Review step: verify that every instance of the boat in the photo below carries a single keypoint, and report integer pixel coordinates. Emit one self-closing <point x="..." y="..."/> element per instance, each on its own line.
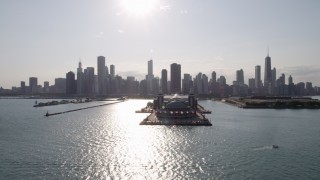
<point x="121" y="99"/>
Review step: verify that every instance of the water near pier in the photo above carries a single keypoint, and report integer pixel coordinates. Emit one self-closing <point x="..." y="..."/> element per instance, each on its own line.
<point x="108" y="142"/>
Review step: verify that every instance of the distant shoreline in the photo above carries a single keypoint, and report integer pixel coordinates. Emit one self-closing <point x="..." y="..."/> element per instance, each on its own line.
<point x="274" y="103"/>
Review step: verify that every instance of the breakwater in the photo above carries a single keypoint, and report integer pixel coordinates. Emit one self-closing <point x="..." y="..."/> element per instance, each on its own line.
<point x="79" y="109"/>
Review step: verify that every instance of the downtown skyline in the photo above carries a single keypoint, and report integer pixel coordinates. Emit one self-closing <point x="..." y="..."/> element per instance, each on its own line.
<point x="99" y="81"/>
<point x="201" y="36"/>
<point x="102" y="70"/>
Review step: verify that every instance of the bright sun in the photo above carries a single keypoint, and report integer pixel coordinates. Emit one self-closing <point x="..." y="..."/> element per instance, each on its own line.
<point x="139" y="7"/>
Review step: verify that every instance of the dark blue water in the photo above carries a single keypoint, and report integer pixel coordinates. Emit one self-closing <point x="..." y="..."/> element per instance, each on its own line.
<point x="108" y="143"/>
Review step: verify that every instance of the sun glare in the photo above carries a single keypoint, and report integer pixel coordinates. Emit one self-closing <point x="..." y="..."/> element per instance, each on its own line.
<point x="139" y="7"/>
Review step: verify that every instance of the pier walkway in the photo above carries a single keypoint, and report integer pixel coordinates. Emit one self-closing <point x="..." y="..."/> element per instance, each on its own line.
<point x="52" y="114"/>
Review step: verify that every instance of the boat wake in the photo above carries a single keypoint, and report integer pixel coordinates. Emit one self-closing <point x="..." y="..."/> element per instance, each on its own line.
<point x="263" y="148"/>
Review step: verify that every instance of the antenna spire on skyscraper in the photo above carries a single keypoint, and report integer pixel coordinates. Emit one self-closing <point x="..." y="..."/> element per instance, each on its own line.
<point x="151" y="53"/>
<point x="80" y="64"/>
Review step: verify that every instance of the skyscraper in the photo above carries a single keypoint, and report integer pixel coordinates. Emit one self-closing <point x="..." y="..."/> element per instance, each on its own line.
<point x="205" y="84"/>
<point x="164" y="81"/>
<point x="290" y="80"/>
<point x="79" y="79"/>
<point x="240" y="77"/>
<point x="46" y="87"/>
<point x="132" y="85"/>
<point x="198" y="88"/>
<point x="290" y="86"/>
<point x="155" y="85"/>
<point x="283" y="79"/>
<point x="150" y="67"/>
<point x="23" y="87"/>
<point x="89" y="81"/>
<point x="71" y="87"/>
<point x="102" y="75"/>
<point x="60" y="85"/>
<point x="273" y="76"/>
<point x="252" y="83"/>
<point x="107" y="70"/>
<point x="33" y="85"/>
<point x="309" y="88"/>
<point x="222" y="81"/>
<point x="213" y="77"/>
<point x="187" y="84"/>
<point x="175" y="78"/>
<point x="258" y="77"/>
<point x="150" y="77"/>
<point x="267" y="71"/>
<point x="112" y="70"/>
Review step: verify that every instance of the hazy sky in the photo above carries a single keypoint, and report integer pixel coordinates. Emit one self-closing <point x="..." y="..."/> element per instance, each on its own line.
<point x="45" y="38"/>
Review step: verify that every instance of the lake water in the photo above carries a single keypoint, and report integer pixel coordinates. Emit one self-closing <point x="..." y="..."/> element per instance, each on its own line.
<point x="108" y="143"/>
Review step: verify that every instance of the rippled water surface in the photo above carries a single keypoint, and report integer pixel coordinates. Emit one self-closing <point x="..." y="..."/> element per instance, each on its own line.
<point x="108" y="143"/>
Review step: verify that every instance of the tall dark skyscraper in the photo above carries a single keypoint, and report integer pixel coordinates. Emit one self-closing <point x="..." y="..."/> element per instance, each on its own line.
<point x="164" y="81"/>
<point x="205" y="84"/>
<point x="283" y="79"/>
<point x="80" y="79"/>
<point x="175" y="78"/>
<point x="112" y="70"/>
<point x="187" y="84"/>
<point x="150" y="77"/>
<point x="89" y="81"/>
<point x="258" y="77"/>
<point x="198" y="88"/>
<point x="290" y="80"/>
<point x="107" y="70"/>
<point x="71" y="87"/>
<point x="102" y="75"/>
<point x="240" y="76"/>
<point x="150" y="67"/>
<point x="213" y="77"/>
<point x="267" y="71"/>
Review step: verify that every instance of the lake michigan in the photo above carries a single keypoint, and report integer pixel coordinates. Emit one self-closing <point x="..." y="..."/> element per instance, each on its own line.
<point x="107" y="142"/>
